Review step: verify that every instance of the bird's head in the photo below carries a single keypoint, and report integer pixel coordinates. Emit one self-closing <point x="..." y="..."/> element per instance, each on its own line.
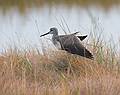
<point x="53" y="31"/>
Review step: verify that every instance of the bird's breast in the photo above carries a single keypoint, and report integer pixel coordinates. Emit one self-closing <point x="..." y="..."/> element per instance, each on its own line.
<point x="57" y="45"/>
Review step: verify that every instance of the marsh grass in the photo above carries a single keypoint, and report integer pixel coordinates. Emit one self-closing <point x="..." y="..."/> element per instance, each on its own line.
<point x="59" y="73"/>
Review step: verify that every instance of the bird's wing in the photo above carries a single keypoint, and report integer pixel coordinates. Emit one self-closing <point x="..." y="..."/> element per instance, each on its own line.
<point x="72" y="44"/>
<point x="73" y="34"/>
<point x="82" y="37"/>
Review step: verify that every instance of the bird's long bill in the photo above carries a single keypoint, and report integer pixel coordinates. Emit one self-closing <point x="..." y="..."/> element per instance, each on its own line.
<point x="44" y="34"/>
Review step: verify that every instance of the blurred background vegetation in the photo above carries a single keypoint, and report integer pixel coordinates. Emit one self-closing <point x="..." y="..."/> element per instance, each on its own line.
<point x="22" y="5"/>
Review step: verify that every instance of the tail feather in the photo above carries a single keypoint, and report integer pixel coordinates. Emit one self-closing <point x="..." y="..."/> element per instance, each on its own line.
<point x="88" y="54"/>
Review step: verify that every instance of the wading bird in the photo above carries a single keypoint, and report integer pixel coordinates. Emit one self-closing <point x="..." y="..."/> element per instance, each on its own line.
<point x="70" y="43"/>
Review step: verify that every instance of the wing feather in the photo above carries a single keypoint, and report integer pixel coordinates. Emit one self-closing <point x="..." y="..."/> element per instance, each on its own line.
<point x="82" y="37"/>
<point x="72" y="45"/>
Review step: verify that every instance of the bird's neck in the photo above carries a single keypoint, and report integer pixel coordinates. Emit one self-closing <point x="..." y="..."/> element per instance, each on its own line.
<point x="55" y="35"/>
<point x="56" y="42"/>
<point x="54" y="39"/>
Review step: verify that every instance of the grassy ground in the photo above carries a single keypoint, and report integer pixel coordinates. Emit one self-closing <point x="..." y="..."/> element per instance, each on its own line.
<point x="59" y="73"/>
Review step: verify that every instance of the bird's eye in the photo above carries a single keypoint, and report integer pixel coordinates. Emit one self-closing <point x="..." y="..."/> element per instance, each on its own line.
<point x="51" y="29"/>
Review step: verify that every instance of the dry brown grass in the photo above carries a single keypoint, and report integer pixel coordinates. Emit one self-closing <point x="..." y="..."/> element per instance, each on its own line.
<point x="56" y="73"/>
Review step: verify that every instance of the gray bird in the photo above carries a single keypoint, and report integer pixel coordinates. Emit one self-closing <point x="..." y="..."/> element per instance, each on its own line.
<point x="70" y="43"/>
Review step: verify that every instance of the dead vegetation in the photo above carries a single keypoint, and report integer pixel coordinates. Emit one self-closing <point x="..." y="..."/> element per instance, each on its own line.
<point x="57" y="73"/>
